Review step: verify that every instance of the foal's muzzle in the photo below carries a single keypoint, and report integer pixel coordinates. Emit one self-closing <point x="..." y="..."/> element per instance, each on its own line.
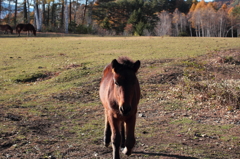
<point x="125" y="110"/>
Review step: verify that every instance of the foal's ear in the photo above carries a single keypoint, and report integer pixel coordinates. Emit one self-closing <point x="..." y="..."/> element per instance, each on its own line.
<point x="136" y="65"/>
<point x="115" y="65"/>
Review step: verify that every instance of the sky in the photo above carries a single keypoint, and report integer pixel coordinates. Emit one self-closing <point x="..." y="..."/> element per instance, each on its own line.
<point x="198" y="0"/>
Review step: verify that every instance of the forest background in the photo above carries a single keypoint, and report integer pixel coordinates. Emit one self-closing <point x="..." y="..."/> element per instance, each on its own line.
<point x="126" y="17"/>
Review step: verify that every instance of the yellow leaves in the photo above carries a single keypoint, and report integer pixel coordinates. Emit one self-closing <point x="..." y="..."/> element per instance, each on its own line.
<point x="201" y="4"/>
<point x="96" y="3"/>
<point x="224" y="6"/>
<point x="192" y="7"/>
<point x="210" y="5"/>
<point x="230" y="10"/>
<point x="215" y="5"/>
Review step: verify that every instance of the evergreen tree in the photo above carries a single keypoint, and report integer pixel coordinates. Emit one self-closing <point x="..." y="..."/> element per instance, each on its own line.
<point x="136" y="20"/>
<point x="236" y="12"/>
<point x="120" y="13"/>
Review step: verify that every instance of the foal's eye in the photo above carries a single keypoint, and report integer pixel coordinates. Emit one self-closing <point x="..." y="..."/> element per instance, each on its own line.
<point x="116" y="83"/>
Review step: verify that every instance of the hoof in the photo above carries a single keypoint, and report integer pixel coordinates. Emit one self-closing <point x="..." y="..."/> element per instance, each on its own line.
<point x="106" y="144"/>
<point x="126" y="151"/>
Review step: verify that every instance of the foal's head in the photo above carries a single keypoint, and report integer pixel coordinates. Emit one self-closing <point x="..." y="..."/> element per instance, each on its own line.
<point x="125" y="83"/>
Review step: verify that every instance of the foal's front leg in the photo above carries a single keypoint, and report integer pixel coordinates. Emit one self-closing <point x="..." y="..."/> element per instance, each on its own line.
<point x="130" y="137"/>
<point x="123" y="135"/>
<point x="116" y="136"/>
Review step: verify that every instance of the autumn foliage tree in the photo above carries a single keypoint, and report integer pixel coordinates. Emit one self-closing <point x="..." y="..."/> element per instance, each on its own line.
<point x="129" y="17"/>
<point x="207" y="20"/>
<point x="179" y="21"/>
<point x="164" y="25"/>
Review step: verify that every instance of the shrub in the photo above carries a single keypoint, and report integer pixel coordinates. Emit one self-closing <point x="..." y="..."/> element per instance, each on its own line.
<point x="183" y="34"/>
<point x="72" y="27"/>
<point x="83" y="29"/>
<point x="128" y="29"/>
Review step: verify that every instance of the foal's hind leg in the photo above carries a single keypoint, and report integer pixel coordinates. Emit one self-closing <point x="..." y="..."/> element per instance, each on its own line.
<point x="107" y="132"/>
<point x="130" y="137"/>
<point x="123" y="135"/>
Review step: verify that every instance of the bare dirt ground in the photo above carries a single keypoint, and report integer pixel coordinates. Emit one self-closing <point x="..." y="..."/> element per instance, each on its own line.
<point x="176" y="119"/>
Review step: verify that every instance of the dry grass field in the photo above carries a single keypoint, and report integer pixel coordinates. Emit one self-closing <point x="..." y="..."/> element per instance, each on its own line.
<point x="50" y="107"/>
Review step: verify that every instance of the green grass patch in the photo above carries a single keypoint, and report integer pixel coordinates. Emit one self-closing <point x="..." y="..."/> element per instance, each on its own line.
<point x="92" y="129"/>
<point x="183" y="121"/>
<point x="32" y="77"/>
<point x="71" y="75"/>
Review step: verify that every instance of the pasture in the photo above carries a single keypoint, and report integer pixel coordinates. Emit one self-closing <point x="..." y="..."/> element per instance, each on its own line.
<point x="50" y="107"/>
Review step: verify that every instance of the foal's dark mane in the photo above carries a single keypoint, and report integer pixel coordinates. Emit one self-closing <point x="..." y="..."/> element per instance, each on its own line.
<point x="126" y="62"/>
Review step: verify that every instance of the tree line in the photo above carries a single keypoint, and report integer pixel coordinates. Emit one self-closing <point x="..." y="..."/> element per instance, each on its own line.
<point x="126" y="17"/>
